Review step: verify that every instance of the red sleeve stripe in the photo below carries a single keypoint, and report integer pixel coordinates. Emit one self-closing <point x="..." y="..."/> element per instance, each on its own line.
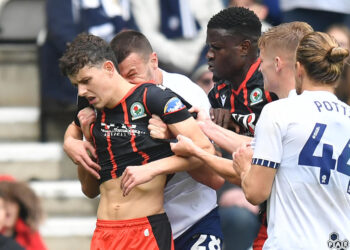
<point x="268" y="97"/>
<point x="109" y="148"/>
<point x="145" y="100"/>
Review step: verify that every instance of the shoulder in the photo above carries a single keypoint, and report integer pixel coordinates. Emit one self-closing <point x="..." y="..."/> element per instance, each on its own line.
<point x="184" y="87"/>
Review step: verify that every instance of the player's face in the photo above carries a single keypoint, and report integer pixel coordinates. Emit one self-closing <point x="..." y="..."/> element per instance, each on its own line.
<point x="224" y="54"/>
<point x="268" y="70"/>
<point x="95" y="84"/>
<point x="136" y="69"/>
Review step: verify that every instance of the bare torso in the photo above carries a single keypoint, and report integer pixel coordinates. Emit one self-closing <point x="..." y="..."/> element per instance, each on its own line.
<point x="144" y="200"/>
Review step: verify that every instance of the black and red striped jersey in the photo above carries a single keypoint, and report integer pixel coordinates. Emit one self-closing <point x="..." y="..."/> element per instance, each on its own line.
<point x="121" y="136"/>
<point x="245" y="101"/>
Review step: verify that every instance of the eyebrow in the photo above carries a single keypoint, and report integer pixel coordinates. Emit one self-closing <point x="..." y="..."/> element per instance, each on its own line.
<point x="84" y="79"/>
<point x="131" y="71"/>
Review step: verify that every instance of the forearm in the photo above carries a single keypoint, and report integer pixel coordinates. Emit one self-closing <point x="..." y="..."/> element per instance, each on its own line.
<point x="207" y="176"/>
<point x="257" y="183"/>
<point x="73" y="131"/>
<point x="225" y="138"/>
<point x="173" y="164"/>
<point x="220" y="165"/>
<point x="89" y="184"/>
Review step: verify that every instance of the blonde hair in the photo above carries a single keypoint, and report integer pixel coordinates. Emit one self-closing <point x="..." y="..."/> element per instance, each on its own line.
<point x="285" y="36"/>
<point x="321" y="57"/>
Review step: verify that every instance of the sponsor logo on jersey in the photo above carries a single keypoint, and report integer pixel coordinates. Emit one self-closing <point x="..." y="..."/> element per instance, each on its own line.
<point x="137" y="111"/>
<point x="120" y="130"/>
<point x="256" y="96"/>
<point x="335" y="243"/>
<point x="173" y="105"/>
<point x="246" y="120"/>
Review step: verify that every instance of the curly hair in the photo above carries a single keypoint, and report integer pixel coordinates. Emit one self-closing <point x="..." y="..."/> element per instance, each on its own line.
<point x="237" y="21"/>
<point x="85" y="50"/>
<point x="29" y="203"/>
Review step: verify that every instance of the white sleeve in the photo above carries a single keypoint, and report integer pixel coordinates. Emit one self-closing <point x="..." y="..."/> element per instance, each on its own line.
<point x="268" y="138"/>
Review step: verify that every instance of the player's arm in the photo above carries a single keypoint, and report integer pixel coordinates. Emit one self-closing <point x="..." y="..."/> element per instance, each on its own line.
<point x="223" y="167"/>
<point x="258" y="171"/>
<point x="257" y="183"/>
<point x="134" y="176"/>
<point x="77" y="150"/>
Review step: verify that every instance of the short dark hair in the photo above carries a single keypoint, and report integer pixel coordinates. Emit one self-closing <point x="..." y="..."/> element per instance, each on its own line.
<point x="129" y="41"/>
<point x="86" y="49"/>
<point x="237" y="21"/>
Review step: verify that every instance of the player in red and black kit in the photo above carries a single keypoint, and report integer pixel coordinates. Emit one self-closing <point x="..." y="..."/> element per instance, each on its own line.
<point x="121" y="139"/>
<point x="239" y="96"/>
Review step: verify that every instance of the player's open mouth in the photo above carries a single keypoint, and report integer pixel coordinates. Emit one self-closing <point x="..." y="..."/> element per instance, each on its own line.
<point x="91" y="100"/>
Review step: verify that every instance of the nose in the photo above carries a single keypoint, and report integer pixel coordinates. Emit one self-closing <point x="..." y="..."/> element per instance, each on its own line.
<point x="210" y="54"/>
<point x="81" y="90"/>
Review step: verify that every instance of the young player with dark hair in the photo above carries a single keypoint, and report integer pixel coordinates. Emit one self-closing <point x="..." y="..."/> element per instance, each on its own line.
<point x="238" y="95"/>
<point x="192" y="218"/>
<point x="121" y="138"/>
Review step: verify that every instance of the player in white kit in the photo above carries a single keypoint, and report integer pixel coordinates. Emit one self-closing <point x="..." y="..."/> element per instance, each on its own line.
<point x="301" y="160"/>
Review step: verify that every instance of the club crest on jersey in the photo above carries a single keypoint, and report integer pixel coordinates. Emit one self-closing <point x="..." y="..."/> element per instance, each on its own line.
<point x="137" y="111"/>
<point x="335" y="243"/>
<point x="256" y="96"/>
<point x="173" y="105"/>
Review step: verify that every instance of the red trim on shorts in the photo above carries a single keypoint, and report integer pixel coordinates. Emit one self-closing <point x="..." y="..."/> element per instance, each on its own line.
<point x="217" y="95"/>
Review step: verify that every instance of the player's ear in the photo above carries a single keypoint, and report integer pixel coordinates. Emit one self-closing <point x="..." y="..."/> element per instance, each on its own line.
<point x="245" y="46"/>
<point x="299" y="69"/>
<point x="108" y="66"/>
<point x="278" y="64"/>
<point x="154" y="60"/>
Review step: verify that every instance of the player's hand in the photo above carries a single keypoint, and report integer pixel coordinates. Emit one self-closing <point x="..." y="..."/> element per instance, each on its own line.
<point x="158" y="129"/>
<point x="79" y="151"/>
<point x="202" y="115"/>
<point x="86" y="117"/>
<point x="242" y="159"/>
<point x="183" y="147"/>
<point x="223" y="118"/>
<point x="133" y="176"/>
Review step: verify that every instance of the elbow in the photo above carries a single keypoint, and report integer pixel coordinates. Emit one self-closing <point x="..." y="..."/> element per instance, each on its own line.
<point x="218" y="183"/>
<point x="255" y="197"/>
<point x="91" y="194"/>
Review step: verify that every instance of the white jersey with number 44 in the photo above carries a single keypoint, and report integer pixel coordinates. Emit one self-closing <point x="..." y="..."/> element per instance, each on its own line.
<point x="307" y="139"/>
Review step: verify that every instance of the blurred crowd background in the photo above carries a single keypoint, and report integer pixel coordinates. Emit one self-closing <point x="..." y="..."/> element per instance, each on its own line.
<point x="37" y="102"/>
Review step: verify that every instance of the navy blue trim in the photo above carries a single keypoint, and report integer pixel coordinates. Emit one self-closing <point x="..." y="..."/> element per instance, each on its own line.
<point x="265" y="163"/>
